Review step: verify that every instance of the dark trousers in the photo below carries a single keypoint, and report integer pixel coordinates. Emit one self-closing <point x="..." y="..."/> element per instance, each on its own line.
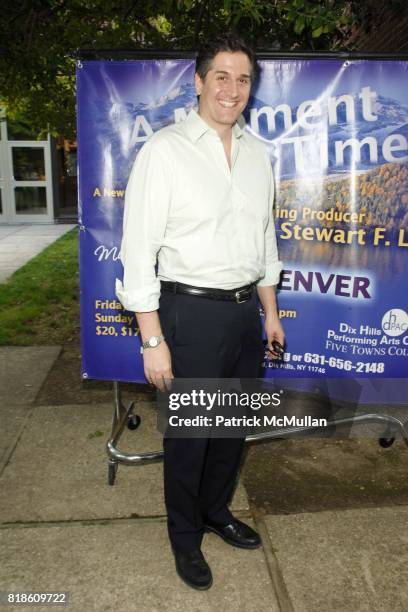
<point x="207" y="339"/>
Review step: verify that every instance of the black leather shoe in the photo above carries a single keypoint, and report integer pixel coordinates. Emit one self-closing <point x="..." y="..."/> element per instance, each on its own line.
<point x="193" y="569"/>
<point x="236" y="534"/>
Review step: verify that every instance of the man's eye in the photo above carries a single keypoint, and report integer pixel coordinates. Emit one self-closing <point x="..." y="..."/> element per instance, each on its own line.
<point x="221" y="77"/>
<point x="244" y="81"/>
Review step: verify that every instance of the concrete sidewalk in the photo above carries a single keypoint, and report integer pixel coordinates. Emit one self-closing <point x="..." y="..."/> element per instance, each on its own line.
<point x="62" y="528"/>
<point x="20" y="243"/>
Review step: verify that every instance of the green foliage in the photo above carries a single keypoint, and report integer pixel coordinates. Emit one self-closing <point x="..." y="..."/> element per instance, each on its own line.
<point x="39" y="304"/>
<point x="38" y="38"/>
<point x="317" y="18"/>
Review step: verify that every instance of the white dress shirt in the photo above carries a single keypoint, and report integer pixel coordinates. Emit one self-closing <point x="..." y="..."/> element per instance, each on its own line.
<point x="207" y="225"/>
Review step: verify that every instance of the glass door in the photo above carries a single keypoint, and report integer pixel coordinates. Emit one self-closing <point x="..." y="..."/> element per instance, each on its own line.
<point x="26" y="194"/>
<point x="31" y="181"/>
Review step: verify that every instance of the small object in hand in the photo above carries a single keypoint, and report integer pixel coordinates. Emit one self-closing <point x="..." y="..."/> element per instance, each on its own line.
<point x="278" y="348"/>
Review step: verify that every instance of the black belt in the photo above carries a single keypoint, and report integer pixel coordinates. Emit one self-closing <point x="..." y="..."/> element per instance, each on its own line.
<point x="240" y="295"/>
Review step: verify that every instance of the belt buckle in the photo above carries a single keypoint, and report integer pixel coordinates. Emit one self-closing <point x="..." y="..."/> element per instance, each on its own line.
<point x="238" y="296"/>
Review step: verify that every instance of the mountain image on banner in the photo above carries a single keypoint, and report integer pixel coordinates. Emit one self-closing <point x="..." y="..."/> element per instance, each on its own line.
<point x="126" y="126"/>
<point x="392" y="119"/>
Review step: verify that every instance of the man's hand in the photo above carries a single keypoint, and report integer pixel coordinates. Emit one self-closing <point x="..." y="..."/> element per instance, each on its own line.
<point x="156" y="360"/>
<point x="157" y="366"/>
<point x="274" y="331"/>
<point x="273" y="327"/>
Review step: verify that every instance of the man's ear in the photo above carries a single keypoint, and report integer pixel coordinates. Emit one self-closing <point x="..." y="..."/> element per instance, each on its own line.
<point x="198" y="84"/>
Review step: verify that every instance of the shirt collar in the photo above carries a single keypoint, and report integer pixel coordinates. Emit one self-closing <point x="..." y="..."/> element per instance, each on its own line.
<point x="196" y="126"/>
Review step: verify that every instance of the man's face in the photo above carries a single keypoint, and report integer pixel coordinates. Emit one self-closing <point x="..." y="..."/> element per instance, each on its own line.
<point x="224" y="92"/>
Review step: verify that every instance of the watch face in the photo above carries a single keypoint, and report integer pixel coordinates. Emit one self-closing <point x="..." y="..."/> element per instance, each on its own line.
<point x="154" y="341"/>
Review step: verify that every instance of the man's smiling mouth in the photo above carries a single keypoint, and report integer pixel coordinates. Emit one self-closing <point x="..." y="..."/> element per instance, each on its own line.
<point x="227" y="104"/>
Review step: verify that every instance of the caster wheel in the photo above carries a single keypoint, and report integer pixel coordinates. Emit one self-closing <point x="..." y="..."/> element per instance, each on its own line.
<point x="133" y="421"/>
<point x="386" y="442"/>
<point x="112" y="469"/>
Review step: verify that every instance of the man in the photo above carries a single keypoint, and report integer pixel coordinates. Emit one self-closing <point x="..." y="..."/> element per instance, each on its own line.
<point x="200" y="199"/>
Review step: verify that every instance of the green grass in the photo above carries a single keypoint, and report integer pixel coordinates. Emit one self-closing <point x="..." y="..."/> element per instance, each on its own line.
<point x="39" y="304"/>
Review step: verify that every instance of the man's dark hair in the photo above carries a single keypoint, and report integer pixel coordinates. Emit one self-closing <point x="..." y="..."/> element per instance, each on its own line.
<point x="230" y="42"/>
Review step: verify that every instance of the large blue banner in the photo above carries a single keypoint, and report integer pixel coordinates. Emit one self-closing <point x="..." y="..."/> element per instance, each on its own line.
<point x="337" y="137"/>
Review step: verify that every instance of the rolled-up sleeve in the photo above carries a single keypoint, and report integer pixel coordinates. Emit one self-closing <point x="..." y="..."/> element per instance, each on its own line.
<point x="144" y="223"/>
<point x="273" y="266"/>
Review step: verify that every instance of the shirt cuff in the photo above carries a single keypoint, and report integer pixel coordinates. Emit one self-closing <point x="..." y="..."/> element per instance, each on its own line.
<point x="137" y="300"/>
<point x="272" y="276"/>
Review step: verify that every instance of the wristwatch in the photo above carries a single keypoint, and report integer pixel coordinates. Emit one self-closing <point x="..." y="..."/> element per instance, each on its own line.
<point x="152" y="342"/>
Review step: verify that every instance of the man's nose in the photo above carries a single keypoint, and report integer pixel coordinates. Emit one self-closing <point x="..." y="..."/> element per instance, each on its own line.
<point x="233" y="88"/>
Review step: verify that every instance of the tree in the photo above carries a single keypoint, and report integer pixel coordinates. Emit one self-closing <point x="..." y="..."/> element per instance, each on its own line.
<point x="39" y="37"/>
